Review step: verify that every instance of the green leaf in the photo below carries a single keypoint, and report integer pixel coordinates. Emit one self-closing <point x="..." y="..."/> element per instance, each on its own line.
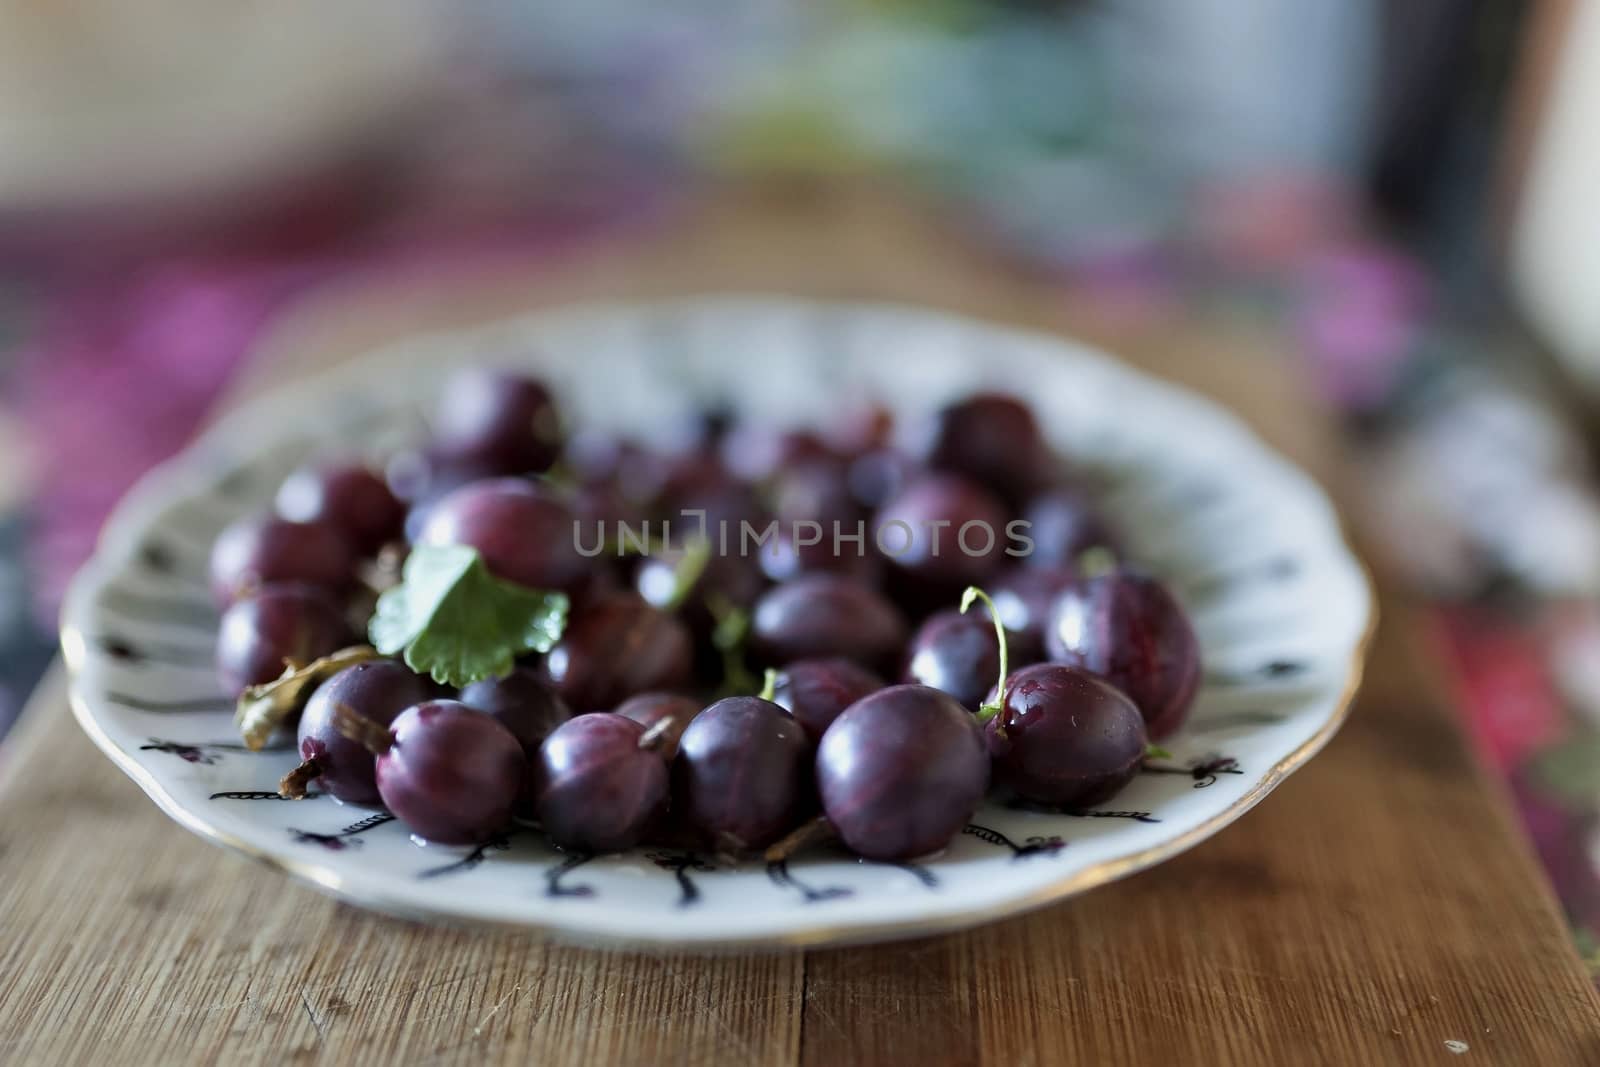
<point x="460" y="624"/>
<point x="1569" y="771"/>
<point x="1156" y="752"/>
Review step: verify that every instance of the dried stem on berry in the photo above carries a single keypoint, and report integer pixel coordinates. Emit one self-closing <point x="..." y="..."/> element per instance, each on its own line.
<point x="652" y="738"/>
<point x="293" y="784"/>
<point x="362" y="730"/>
<point x="811" y="833"/>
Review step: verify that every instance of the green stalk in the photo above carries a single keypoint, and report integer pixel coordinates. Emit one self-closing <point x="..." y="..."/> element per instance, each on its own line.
<point x="973" y="594"/>
<point x="688" y="571"/>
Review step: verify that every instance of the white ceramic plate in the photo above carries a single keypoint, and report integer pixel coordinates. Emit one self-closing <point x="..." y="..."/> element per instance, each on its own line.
<point x="1252" y="547"/>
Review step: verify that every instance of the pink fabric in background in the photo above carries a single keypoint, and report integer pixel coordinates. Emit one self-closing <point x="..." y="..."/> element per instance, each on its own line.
<point x="118" y="373"/>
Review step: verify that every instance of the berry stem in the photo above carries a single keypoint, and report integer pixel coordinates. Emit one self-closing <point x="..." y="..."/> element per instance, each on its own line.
<point x="1096" y="561"/>
<point x="810" y="833"/>
<point x="686" y="575"/>
<point x="382" y="573"/>
<point x="991" y="708"/>
<point x="362" y="730"/>
<point x="263" y="708"/>
<point x="293" y="784"/>
<point x="651" y="739"/>
<point x="769" y="685"/>
<point x="732" y="626"/>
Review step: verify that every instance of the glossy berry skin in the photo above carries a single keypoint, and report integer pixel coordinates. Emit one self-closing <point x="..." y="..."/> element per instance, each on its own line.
<point x="1024" y="597"/>
<point x="1128" y="629"/>
<point x="451" y="774"/>
<point x="697" y="434"/>
<point x="506" y="421"/>
<point x="418" y="475"/>
<point x="647" y="709"/>
<point x="378" y="690"/>
<point x="876" y="476"/>
<point x="635" y="473"/>
<point x="599" y="790"/>
<point x="901" y="772"/>
<point x="726" y="583"/>
<point x="524" y="703"/>
<point x="817" y="490"/>
<point x="616" y="482"/>
<point x="860" y="430"/>
<point x="957" y="654"/>
<point x="784" y="558"/>
<point x="524" y="533"/>
<point x="934" y="554"/>
<point x="824" y="615"/>
<point x="349" y="497"/>
<point x="617" y="646"/>
<point x="1065" y="737"/>
<point x="756" y="452"/>
<point x="993" y="440"/>
<point x="743" y="774"/>
<point x="733" y="580"/>
<point x="527" y="705"/>
<point x="692" y="469"/>
<point x="598" y="509"/>
<point x="1063" y="525"/>
<point x="279" y="623"/>
<point x="420" y="478"/>
<point x="816" y="691"/>
<point x="258" y="552"/>
<point x="714" y="500"/>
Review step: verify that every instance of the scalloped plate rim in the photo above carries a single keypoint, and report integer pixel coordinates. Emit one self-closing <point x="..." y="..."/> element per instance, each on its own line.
<point x="139" y="509"/>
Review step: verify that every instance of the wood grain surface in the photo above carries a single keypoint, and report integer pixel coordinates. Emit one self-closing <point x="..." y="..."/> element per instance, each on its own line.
<point x="1378" y="908"/>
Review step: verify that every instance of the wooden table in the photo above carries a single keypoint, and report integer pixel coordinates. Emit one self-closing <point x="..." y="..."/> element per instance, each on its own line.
<point x="1379" y="908"/>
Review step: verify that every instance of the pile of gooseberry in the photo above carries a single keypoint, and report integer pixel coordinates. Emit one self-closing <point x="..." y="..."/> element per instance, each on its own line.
<point x="729" y="700"/>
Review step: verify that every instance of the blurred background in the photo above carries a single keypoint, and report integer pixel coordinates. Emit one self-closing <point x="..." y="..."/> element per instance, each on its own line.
<point x="1403" y="192"/>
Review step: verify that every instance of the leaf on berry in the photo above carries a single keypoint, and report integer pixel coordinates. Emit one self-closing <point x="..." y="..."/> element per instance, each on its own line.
<point x="451" y="619"/>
